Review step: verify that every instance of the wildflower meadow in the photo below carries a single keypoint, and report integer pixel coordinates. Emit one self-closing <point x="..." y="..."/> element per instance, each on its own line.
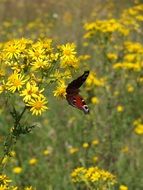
<point x="53" y="135"/>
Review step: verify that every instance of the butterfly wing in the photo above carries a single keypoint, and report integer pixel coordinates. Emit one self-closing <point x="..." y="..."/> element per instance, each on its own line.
<point x="73" y="97"/>
<point x="77" y="83"/>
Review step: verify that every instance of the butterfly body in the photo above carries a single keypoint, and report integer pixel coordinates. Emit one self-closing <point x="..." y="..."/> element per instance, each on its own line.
<point x="73" y="97"/>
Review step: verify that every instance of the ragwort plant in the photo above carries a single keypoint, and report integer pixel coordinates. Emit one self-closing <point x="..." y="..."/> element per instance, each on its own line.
<point x="28" y="69"/>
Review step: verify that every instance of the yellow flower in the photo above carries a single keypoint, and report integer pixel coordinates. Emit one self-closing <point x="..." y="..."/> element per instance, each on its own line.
<point x="125" y="149"/>
<point x="123" y="187"/>
<point x="33" y="161"/>
<point x="73" y="150"/>
<point x="11" y="50"/>
<point x="68" y="50"/>
<point x="95" y="158"/>
<point x="12" y="153"/>
<point x="36" y="52"/>
<point x="68" y="56"/>
<point x="95" y="100"/>
<point x="93" y="80"/>
<point x="139" y="17"/>
<point x="93" y="174"/>
<point x="40" y="64"/>
<point x="128" y="66"/>
<point x="112" y="56"/>
<point x="84" y="57"/>
<point x="95" y="142"/>
<point x="137" y="122"/>
<point x="139" y="129"/>
<point x="130" y="88"/>
<point x="37" y="105"/>
<point x="46" y="152"/>
<point x="3" y="187"/>
<point x="85" y="145"/>
<point x="15" y="82"/>
<point x="58" y="76"/>
<point x="14" y="188"/>
<point x="140" y="79"/>
<point x="130" y="57"/>
<point x="120" y="108"/>
<point x="17" y="170"/>
<point x="69" y="62"/>
<point x="78" y="173"/>
<point x="47" y="44"/>
<point x="4" y="179"/>
<point x="60" y="90"/>
<point x="30" y="92"/>
<point x="133" y="47"/>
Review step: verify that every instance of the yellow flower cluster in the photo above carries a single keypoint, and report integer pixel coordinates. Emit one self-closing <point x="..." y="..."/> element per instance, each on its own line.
<point x="132" y="16"/>
<point x="129" y="19"/>
<point x="5" y="184"/>
<point x="38" y="27"/>
<point x="104" y="26"/>
<point x="93" y="175"/>
<point x="132" y="58"/>
<point x="4" y="179"/>
<point x="93" y="80"/>
<point x="112" y="56"/>
<point x="27" y="67"/>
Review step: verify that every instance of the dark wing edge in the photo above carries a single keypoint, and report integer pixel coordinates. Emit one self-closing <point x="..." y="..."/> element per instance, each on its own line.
<point x="77" y="83"/>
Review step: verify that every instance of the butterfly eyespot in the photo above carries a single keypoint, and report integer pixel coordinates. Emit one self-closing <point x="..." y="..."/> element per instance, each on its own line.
<point x="85" y="107"/>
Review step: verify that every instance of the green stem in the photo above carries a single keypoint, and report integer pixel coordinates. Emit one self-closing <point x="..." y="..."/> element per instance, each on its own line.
<point x="18" y="120"/>
<point x="10" y="140"/>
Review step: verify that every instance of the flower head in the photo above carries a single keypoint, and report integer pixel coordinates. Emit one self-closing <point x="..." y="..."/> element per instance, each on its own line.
<point x="4" y="179"/>
<point x="29" y="92"/>
<point x="68" y="56"/>
<point x="120" y="108"/>
<point x="139" y="129"/>
<point x="60" y="90"/>
<point x="123" y="187"/>
<point x="37" y="105"/>
<point x="17" y="170"/>
<point x="15" y="82"/>
<point x="33" y="161"/>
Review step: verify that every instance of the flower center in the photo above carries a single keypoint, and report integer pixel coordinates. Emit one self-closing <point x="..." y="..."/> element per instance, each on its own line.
<point x="38" y="105"/>
<point x="17" y="82"/>
<point x="67" y="52"/>
<point x="37" y="54"/>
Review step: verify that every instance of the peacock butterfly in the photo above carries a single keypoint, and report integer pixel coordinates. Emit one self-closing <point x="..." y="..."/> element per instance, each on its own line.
<point x="73" y="97"/>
